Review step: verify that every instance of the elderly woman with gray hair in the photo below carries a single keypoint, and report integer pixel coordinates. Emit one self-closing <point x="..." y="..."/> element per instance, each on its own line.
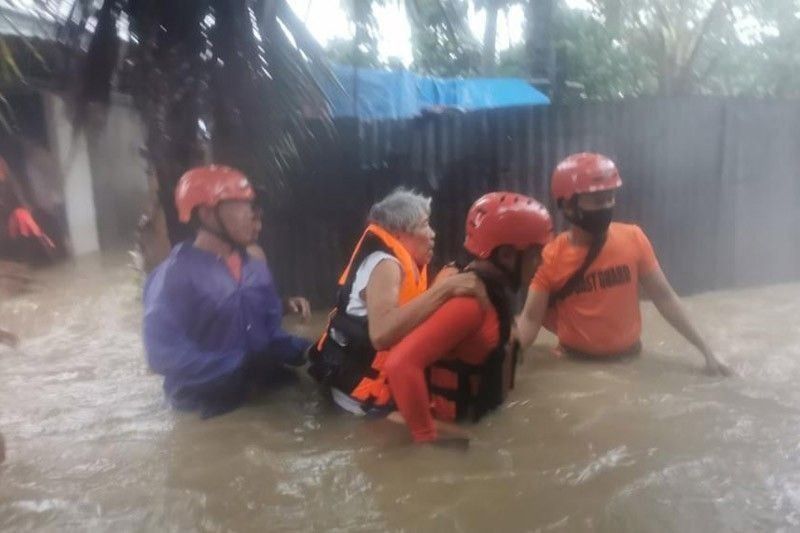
<point x="383" y="295"/>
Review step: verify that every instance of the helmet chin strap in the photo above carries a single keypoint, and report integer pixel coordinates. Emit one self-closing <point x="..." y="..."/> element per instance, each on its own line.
<point x="577" y="215"/>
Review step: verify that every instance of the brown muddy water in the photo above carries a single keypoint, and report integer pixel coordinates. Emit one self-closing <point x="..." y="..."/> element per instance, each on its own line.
<point x="647" y="445"/>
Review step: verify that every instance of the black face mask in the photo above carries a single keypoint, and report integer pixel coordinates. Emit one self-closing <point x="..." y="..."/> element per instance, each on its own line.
<point x="594" y="222"/>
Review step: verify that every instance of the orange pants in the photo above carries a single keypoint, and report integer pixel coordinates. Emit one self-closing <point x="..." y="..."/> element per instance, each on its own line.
<point x="460" y="329"/>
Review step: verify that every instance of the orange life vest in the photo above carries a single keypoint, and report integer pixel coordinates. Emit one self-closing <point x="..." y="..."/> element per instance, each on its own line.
<point x="414" y="281"/>
<point x="459" y="390"/>
<point x="344" y="356"/>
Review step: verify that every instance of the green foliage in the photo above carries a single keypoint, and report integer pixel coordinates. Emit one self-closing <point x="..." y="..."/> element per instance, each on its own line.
<point x="625" y="48"/>
<point x="362" y="50"/>
<point x="701" y="46"/>
<point x="762" y="57"/>
<point x="348" y="52"/>
<point x="442" y="43"/>
<point x="439" y="48"/>
<point x="602" y="66"/>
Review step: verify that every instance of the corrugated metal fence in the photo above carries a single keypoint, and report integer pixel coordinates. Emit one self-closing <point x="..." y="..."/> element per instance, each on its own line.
<point x="715" y="183"/>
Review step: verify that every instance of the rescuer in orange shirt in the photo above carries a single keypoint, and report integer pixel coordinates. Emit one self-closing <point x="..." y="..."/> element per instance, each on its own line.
<point x="587" y="287"/>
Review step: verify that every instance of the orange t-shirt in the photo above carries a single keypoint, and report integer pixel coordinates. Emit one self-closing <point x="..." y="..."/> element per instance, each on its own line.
<point x="602" y="316"/>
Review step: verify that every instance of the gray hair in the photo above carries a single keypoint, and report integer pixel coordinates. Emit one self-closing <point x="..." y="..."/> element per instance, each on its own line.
<point x="400" y="211"/>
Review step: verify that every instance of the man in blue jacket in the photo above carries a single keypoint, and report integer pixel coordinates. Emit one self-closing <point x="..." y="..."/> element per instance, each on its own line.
<point x="212" y="315"/>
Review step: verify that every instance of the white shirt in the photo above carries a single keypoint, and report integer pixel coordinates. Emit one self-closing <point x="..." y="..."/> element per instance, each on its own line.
<point x="357" y="304"/>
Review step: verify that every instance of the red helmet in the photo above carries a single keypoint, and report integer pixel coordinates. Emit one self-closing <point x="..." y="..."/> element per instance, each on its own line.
<point x="208" y="186"/>
<point x="582" y="173"/>
<point x="499" y="218"/>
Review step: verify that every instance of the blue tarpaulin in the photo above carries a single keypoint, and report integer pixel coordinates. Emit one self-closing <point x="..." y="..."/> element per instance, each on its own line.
<point x="382" y="94"/>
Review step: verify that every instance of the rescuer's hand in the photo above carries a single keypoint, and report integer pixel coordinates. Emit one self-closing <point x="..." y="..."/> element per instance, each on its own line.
<point x="299" y="306"/>
<point x="465" y="284"/>
<point x="715" y="367"/>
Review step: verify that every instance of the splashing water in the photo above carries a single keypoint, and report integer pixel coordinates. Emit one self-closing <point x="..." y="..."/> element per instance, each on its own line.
<point x="646" y="445"/>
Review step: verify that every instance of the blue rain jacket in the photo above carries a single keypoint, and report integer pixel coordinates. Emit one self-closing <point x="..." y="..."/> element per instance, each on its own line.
<point x="211" y="336"/>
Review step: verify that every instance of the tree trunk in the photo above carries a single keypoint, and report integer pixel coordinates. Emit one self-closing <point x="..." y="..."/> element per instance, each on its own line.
<point x="490" y="39"/>
<point x="539" y="45"/>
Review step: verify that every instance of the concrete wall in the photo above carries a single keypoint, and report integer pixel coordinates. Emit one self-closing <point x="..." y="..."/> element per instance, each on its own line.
<point x="119" y="175"/>
<point x="105" y="179"/>
<point x="72" y="155"/>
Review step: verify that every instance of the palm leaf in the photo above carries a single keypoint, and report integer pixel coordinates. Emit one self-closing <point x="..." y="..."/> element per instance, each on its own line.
<point x="7" y="120"/>
<point x="8" y="61"/>
<point x="26" y="42"/>
<point x="228" y="81"/>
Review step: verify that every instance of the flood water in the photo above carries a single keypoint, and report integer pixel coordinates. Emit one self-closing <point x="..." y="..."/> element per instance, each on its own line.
<point x="646" y="445"/>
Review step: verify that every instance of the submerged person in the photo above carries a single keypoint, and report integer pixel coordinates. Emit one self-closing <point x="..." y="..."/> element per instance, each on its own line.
<point x="383" y="294"/>
<point x="212" y="314"/>
<point x="463" y="346"/>
<point x="21" y="236"/>
<point x="16" y="224"/>
<point x="590" y="274"/>
<point x="45" y="191"/>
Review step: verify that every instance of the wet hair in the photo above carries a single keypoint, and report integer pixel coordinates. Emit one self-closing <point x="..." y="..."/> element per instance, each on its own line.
<point x="400" y="211"/>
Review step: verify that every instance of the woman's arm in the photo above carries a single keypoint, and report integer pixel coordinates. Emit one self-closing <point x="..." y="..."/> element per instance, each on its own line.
<point x="389" y="322"/>
<point x="529" y="322"/>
